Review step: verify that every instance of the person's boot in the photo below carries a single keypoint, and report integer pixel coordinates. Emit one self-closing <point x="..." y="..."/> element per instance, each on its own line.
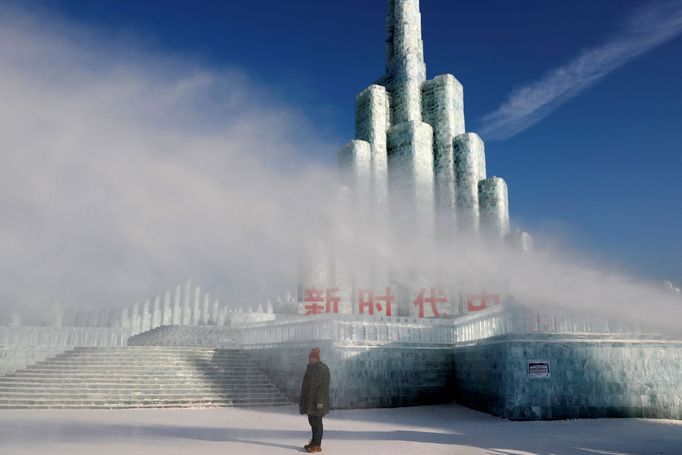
<point x="314" y="449"/>
<point x="309" y="445"/>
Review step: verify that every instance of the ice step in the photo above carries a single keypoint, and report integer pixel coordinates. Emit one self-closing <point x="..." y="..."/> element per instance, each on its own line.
<point x="142" y="376"/>
<point x="104" y="405"/>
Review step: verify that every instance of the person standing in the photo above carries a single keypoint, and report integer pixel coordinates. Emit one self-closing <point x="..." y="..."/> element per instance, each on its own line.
<point x="315" y="398"/>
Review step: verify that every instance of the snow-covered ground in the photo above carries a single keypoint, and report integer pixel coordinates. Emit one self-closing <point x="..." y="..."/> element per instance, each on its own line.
<point x="448" y="429"/>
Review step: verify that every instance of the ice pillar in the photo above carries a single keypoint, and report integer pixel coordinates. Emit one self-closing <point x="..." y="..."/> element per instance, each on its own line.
<point x="443" y="109"/>
<point x="405" y="67"/>
<point x="372" y="121"/>
<point x="146" y="317"/>
<point x="167" y="317"/>
<point x="410" y="163"/>
<point x="196" y="306"/>
<point x="522" y="241"/>
<point x="205" y="316"/>
<point x="187" y="304"/>
<point x="469" y="154"/>
<point x="355" y="164"/>
<point x="215" y="309"/>
<point x="314" y="265"/>
<point x="494" y="207"/>
<point x="156" y="313"/>
<point x="177" y="307"/>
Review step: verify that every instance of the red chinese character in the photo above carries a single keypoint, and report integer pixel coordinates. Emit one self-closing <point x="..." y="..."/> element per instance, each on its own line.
<point x="368" y="300"/>
<point x="332" y="300"/>
<point x="484" y="301"/>
<point x="313" y="299"/>
<point x="436" y="296"/>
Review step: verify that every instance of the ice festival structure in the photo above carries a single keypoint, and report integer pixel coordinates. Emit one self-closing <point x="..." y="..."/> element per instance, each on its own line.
<point x="385" y="347"/>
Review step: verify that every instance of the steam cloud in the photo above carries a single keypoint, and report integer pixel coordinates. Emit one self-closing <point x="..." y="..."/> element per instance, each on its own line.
<point x="124" y="174"/>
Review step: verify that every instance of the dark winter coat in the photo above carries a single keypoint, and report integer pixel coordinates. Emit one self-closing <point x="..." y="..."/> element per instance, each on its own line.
<point x="315" y="390"/>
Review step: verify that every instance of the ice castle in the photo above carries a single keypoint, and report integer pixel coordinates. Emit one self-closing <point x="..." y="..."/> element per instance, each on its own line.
<point x="412" y="161"/>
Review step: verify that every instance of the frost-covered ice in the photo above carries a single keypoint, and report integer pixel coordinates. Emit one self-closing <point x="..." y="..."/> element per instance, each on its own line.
<point x="448" y="429"/>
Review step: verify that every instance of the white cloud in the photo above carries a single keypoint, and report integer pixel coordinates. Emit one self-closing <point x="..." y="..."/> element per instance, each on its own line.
<point x="651" y="26"/>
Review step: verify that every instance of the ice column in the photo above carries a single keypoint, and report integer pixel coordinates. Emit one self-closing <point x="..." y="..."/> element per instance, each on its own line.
<point x="167" y="318"/>
<point x="214" y="312"/>
<point x="355" y="164"/>
<point x="522" y="240"/>
<point x="146" y="317"/>
<point x="125" y="321"/>
<point x="196" y="306"/>
<point x="410" y="180"/>
<point x="443" y="109"/>
<point x="314" y="268"/>
<point x="156" y="312"/>
<point x="494" y="207"/>
<point x="222" y="316"/>
<point x="187" y="304"/>
<point x="205" y="316"/>
<point x="135" y="319"/>
<point x="372" y="121"/>
<point x="177" y="306"/>
<point x="342" y="259"/>
<point x="405" y="67"/>
<point x="469" y="153"/>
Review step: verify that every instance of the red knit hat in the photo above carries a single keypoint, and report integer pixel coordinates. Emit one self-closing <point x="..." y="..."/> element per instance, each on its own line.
<point x="315" y="353"/>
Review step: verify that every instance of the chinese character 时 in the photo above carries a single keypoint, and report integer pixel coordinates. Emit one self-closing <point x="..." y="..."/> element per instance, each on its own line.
<point x="478" y="302"/>
<point x="367" y="300"/>
<point x="435" y="297"/>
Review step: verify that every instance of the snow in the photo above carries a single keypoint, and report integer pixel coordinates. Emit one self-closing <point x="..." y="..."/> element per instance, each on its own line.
<point x="447" y="429"/>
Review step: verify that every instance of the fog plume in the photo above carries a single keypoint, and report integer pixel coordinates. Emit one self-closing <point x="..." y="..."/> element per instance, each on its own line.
<point x="124" y="173"/>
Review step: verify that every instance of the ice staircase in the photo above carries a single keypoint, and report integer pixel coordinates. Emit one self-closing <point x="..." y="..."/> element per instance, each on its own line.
<point x="141" y="377"/>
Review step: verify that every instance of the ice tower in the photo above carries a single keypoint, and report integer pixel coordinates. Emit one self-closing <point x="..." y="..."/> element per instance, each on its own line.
<point x="412" y="161"/>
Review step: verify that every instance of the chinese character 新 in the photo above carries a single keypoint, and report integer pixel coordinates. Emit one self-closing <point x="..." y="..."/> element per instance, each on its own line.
<point x="319" y="301"/>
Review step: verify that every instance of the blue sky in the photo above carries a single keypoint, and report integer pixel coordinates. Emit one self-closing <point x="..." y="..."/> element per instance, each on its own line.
<point x="601" y="171"/>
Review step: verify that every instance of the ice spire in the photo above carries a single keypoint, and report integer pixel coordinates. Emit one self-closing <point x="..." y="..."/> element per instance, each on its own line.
<point x="404" y="46"/>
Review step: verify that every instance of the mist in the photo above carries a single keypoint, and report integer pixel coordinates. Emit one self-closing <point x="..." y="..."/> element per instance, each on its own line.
<point x="125" y="172"/>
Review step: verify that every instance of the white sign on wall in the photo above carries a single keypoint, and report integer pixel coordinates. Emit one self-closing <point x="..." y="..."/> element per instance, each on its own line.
<point x="538" y="369"/>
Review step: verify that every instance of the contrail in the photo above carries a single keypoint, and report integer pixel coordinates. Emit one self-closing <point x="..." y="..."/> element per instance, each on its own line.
<point x="649" y="26"/>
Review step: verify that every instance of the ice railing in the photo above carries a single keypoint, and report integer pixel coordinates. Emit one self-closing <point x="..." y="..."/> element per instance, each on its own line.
<point x="494" y="321"/>
<point x="54" y="337"/>
<point x="350" y="329"/>
<point x="514" y="319"/>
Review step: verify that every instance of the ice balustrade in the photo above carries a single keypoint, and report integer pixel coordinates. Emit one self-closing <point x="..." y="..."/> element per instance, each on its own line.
<point x="495" y="321"/>
<point x="349" y="329"/>
<point x="35" y="337"/>
<point x="515" y="319"/>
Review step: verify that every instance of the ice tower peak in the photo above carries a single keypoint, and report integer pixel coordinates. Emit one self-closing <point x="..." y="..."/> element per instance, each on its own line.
<point x="404" y="45"/>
